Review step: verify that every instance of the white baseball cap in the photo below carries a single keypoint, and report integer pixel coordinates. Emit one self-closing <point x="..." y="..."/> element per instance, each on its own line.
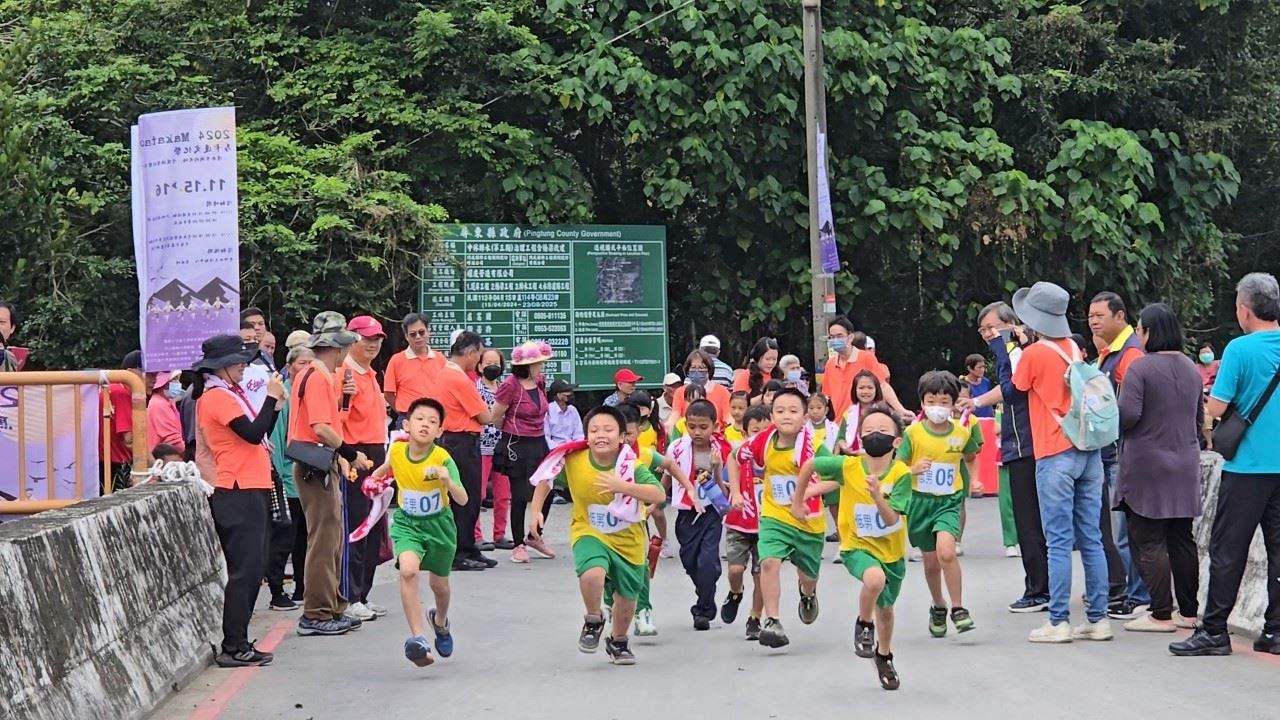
<point x="710" y="341"/>
<point x="871" y="343"/>
<point x="671" y="379"/>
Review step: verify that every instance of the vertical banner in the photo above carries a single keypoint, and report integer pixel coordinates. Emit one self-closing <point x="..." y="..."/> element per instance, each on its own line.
<point x="45" y="471"/>
<point x="826" y="226"/>
<point x="185" y="210"/>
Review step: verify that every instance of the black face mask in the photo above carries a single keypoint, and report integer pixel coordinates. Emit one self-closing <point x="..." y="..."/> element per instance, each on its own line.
<point x="878" y="444"/>
<point x="492" y="372"/>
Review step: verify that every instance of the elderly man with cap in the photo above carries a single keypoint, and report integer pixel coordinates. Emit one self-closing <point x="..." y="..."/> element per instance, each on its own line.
<point x="364" y="427"/>
<point x="235" y="435"/>
<point x="564" y="424"/>
<point x="624" y="382"/>
<point x="315" y="443"/>
<point x="721" y="372"/>
<point x="1068" y="480"/>
<point x="671" y="384"/>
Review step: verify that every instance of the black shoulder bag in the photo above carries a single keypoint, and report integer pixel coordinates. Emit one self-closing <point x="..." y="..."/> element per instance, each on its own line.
<point x="1233" y="426"/>
<point x="317" y="457"/>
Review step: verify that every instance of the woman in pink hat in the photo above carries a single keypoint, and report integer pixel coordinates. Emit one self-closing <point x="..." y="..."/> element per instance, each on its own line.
<point x="164" y="424"/>
<point x="520" y="409"/>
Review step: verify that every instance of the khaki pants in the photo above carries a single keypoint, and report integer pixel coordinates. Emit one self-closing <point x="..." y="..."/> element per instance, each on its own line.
<point x="322" y="506"/>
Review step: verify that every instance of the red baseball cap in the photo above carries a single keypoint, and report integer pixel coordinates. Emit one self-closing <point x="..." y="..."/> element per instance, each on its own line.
<point x="366" y="326"/>
<point x="625" y="375"/>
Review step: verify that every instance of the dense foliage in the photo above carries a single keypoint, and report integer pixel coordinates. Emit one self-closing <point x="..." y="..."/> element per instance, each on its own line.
<point x="1103" y="144"/>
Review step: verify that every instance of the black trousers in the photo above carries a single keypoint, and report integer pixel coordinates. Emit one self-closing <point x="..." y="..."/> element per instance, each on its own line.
<point x="1244" y="503"/>
<point x="1162" y="547"/>
<point x="299" y="547"/>
<point x="240" y="518"/>
<point x="362" y="556"/>
<point x="1117" y="578"/>
<point x="279" y="546"/>
<point x="465" y="450"/>
<point x="699" y="538"/>
<point x="1026" y="518"/>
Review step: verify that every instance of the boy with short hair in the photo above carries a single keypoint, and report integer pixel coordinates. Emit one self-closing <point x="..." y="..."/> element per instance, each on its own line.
<point x="782" y="449"/>
<point x="422" y="531"/>
<point x="940" y="452"/>
<point x="874" y="490"/>
<point x="742" y="527"/>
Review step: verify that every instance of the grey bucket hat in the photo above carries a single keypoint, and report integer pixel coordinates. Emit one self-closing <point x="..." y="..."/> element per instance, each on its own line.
<point x="330" y="330"/>
<point x="1043" y="308"/>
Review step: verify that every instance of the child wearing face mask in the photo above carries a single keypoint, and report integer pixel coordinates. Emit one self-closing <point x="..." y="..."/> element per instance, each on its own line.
<point x="874" y="491"/>
<point x="940" y="452"/>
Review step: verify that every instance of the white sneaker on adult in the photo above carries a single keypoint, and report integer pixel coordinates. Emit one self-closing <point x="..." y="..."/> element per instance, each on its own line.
<point x="1100" y="630"/>
<point x="1146" y="623"/>
<point x="667" y="551"/>
<point x="377" y="610"/>
<point x="915" y="555"/>
<point x="360" y="612"/>
<point x="1050" y="633"/>
<point x="1013" y="551"/>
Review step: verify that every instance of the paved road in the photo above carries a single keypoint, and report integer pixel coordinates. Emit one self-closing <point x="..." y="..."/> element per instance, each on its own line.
<point x="516" y="629"/>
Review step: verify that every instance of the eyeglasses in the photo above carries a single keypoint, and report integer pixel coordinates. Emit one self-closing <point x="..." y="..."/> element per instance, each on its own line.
<point x="416" y="333"/>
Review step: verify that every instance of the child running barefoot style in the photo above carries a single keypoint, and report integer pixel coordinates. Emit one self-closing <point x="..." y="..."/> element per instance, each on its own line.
<point x="742" y="525"/>
<point x="422" y="529"/>
<point x="607" y="533"/>
<point x="782" y="450"/>
<point x="875" y="490"/>
<point x="939" y="452"/>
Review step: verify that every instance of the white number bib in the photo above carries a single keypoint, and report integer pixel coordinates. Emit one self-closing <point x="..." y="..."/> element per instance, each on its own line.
<point x="604" y="521"/>
<point x="782" y="487"/>
<point x="939" y="480"/>
<point x="421" y="504"/>
<point x="869" y="524"/>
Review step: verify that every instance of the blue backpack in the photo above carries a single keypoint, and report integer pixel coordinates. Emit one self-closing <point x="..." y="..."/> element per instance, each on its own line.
<point x="1093" y="422"/>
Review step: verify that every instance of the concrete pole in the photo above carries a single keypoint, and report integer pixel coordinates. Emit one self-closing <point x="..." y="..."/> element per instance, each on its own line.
<point x="815" y="115"/>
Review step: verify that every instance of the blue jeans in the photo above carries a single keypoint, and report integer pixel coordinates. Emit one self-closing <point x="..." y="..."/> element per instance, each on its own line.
<point x="1070" y="488"/>
<point x="1136" y="590"/>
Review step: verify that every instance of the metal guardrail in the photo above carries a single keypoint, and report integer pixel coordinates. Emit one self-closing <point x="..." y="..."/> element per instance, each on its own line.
<point x="51" y="379"/>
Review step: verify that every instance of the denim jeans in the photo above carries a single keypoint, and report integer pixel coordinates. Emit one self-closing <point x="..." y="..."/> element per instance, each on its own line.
<point x="1136" y="590"/>
<point x="1070" y="488"/>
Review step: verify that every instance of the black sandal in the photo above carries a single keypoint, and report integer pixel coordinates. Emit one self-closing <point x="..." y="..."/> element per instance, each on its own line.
<point x="888" y="674"/>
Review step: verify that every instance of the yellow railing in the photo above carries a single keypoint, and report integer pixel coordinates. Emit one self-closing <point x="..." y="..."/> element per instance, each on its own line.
<point x="51" y="379"/>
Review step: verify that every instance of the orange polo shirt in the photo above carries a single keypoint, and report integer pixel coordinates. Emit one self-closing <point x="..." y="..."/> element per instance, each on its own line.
<point x="318" y="404"/>
<point x="717" y="395"/>
<point x="460" y="398"/>
<point x="365" y="422"/>
<point x="1040" y="375"/>
<point x="411" y="376"/>
<point x="837" y="378"/>
<point x="239" y="464"/>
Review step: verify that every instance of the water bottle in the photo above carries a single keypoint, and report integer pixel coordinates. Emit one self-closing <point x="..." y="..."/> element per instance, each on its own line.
<point x="710" y="490"/>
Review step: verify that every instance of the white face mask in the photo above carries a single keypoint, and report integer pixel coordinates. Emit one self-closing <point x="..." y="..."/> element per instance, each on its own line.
<point x="937" y="414"/>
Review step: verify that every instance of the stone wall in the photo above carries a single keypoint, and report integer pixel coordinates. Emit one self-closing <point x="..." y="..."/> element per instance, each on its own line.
<point x="1251" y="603"/>
<point x="107" y="606"/>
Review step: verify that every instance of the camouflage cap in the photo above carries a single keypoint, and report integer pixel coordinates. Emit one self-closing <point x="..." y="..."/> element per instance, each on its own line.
<point x="330" y="330"/>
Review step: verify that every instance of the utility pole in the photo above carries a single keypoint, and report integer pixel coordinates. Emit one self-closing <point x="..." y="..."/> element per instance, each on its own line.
<point x="815" y="116"/>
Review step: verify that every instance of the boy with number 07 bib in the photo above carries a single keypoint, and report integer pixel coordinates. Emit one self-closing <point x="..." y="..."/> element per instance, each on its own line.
<point x="939" y="452"/>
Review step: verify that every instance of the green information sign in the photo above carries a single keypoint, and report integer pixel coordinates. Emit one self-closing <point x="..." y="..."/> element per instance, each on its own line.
<point x="596" y="293"/>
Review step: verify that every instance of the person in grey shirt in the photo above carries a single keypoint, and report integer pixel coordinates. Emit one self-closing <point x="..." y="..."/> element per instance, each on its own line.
<point x="722" y="373"/>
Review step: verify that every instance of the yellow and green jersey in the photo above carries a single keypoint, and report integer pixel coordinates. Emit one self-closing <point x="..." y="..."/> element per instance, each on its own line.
<point x="591" y="517"/>
<point x="861" y="526"/>
<point x="421" y="496"/>
<point x="947" y="450"/>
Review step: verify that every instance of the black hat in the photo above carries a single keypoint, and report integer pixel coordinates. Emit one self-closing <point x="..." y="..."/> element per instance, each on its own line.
<point x="639" y="398"/>
<point x="560" y="386"/>
<point x="221" y="351"/>
<point x="132" y="361"/>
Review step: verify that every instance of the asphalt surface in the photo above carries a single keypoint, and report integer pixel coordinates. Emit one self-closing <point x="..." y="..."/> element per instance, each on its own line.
<point x="516" y="656"/>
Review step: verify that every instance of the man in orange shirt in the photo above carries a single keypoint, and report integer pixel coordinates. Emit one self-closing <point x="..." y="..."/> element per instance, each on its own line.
<point x="364" y="427"/>
<point x="846" y="362"/>
<point x="1068" y="480"/>
<point x="465" y="414"/>
<point x="315" y="420"/>
<point x="412" y="372"/>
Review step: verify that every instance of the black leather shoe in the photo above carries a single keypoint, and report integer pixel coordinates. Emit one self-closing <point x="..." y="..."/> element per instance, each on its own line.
<point x="1202" y="642"/>
<point x="1267" y="643"/>
<point x="467" y="564"/>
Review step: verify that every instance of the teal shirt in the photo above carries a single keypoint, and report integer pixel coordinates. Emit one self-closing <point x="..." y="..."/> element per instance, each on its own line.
<point x="1248" y="365"/>
<point x="279" y="439"/>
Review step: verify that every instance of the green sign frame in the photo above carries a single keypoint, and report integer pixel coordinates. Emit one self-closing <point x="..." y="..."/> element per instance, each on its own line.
<point x="596" y="293"/>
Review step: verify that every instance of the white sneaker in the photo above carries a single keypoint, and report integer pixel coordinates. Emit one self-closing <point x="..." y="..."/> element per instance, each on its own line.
<point x="643" y="626"/>
<point x="1013" y="551"/>
<point x="359" y="612"/>
<point x="377" y="610"/>
<point x="1050" y="633"/>
<point x="959" y="550"/>
<point x="915" y="555"/>
<point x="667" y="551"/>
<point x="1100" y="630"/>
<point x="1146" y="623"/>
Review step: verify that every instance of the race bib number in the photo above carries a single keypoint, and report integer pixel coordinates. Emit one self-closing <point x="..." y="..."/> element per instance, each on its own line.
<point x="782" y="487"/>
<point x="759" y="494"/>
<point x="604" y="521"/>
<point x="868" y="523"/>
<point x="421" y="504"/>
<point x="941" y="479"/>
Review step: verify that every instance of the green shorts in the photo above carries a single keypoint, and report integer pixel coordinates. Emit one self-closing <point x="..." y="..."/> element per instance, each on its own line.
<point x="627" y="579"/>
<point x="858" y="562"/>
<point x="929" y="515"/>
<point x="780" y="540"/>
<point x="642" y="603"/>
<point x="434" y="539"/>
<point x="742" y="549"/>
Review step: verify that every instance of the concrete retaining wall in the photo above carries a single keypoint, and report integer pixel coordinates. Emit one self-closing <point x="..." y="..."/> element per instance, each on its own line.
<point x="1251" y="603"/>
<point x="107" y="606"/>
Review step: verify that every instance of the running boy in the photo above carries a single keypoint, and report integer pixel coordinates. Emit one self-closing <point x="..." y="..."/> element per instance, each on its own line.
<point x="607" y="537"/>
<point x="782" y="450"/>
<point x="875" y="489"/>
<point x="939" y="452"/>
<point x="422" y="529"/>
<point x="742" y="525"/>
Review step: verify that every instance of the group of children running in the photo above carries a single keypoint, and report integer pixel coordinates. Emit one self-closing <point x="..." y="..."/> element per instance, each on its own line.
<point x="761" y="479"/>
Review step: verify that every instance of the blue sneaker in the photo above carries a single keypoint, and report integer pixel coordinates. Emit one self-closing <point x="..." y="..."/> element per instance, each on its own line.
<point x="444" y="638"/>
<point x="418" y="651"/>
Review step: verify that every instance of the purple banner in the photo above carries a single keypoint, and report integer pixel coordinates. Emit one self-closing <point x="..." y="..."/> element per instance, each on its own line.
<point x="186" y="232"/>
<point x="43" y="471"/>
<point x="826" y="226"/>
